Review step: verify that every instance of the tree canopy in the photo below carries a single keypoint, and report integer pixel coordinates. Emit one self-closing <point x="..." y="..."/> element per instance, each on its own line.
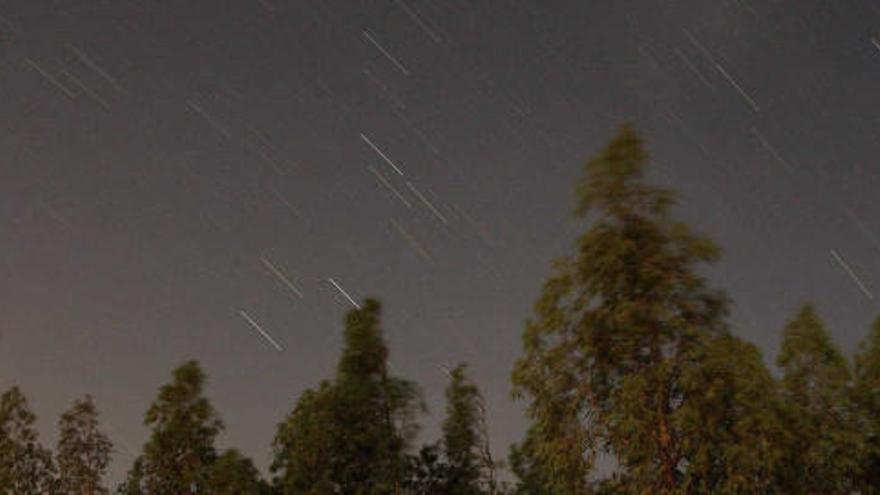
<point x="25" y="465"/>
<point x="351" y="434"/>
<point x="614" y="329"/>
<point x="178" y="456"/>
<point x="83" y="451"/>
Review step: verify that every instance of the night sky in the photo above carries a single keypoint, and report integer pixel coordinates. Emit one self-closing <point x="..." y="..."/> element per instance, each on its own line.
<point x="177" y="177"/>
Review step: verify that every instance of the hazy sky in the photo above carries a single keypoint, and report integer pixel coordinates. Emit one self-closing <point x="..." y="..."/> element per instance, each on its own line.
<point x="173" y="173"/>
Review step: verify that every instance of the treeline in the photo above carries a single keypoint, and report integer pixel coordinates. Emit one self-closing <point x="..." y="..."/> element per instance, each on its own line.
<point x="352" y="434"/>
<point x="627" y="362"/>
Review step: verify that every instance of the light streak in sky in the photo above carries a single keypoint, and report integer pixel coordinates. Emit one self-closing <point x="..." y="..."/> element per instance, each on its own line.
<point x="369" y="142"/>
<point x="258" y="328"/>
<point x="427" y="203"/>
<point x="342" y="291"/>
<point x="387" y="55"/>
<point x="852" y="274"/>
<point x="275" y="271"/>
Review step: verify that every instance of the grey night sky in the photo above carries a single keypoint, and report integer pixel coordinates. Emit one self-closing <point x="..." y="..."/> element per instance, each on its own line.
<point x="161" y="163"/>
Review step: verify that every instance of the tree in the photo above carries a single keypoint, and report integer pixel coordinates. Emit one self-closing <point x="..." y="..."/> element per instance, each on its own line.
<point x="351" y="435"/>
<point x="376" y="409"/>
<point x="825" y="450"/>
<point x="867" y="397"/>
<point x="461" y="463"/>
<point x="234" y="474"/>
<point x="732" y="433"/>
<point x="532" y="477"/>
<point x="25" y="466"/>
<point x="304" y="445"/>
<point x="427" y="473"/>
<point x="471" y="469"/>
<point x="613" y="329"/>
<point x="83" y="451"/>
<point x="134" y="479"/>
<point x="178" y="456"/>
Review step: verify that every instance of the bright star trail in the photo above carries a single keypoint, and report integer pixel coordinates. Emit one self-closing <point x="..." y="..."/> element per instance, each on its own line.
<point x="381" y="153"/>
<point x="344" y="293"/>
<point x="258" y="328"/>
<point x="166" y="165"/>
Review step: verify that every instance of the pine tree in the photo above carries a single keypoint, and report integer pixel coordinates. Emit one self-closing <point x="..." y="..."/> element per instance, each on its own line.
<point x="25" y="466"/>
<point x="351" y="435"/>
<point x="178" y="456"/>
<point x="823" y="456"/>
<point x="867" y="396"/>
<point x="613" y="329"/>
<point x="83" y="451"/>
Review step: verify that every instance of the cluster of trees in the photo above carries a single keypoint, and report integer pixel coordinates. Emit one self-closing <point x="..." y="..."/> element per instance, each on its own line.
<point x="26" y="467"/>
<point x="350" y="435"/>
<point x="627" y="359"/>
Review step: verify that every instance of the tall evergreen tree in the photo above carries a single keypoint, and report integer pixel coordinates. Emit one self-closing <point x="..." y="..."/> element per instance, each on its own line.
<point x="25" y="466"/>
<point x="826" y="445"/>
<point x="613" y="329"/>
<point x="178" y="456"/>
<point x="83" y="451"/>
<point x="867" y="396"/>
<point x="351" y="435"/>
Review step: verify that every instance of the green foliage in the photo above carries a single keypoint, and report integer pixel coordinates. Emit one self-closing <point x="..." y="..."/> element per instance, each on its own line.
<point x="465" y="439"/>
<point x="351" y="435"/>
<point x="613" y="330"/>
<point x="867" y="396"/>
<point x="732" y="434"/>
<point x="461" y="464"/>
<point x="83" y="451"/>
<point x="304" y="445"/>
<point x="533" y="478"/>
<point x="233" y="474"/>
<point x="25" y="466"/>
<point x="427" y="472"/>
<point x="178" y="456"/>
<point x="826" y="447"/>
<point x="134" y="479"/>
